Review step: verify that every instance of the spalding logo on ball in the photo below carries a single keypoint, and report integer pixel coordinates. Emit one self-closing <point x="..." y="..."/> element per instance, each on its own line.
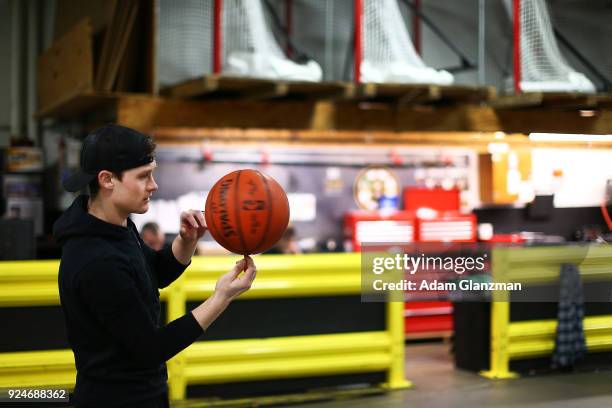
<point x="247" y="212"/>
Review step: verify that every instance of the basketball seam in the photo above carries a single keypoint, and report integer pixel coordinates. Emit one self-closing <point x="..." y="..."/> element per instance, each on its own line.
<point x="237" y="213"/>
<point x="269" y="213"/>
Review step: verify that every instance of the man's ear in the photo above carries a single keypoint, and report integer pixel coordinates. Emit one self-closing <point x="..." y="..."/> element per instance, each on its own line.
<point x="105" y="179"/>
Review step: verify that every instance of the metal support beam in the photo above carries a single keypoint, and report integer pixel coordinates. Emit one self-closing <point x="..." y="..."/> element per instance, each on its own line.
<point x="15" y="73"/>
<point x="482" y="12"/>
<point x="516" y="14"/>
<point x="466" y="63"/>
<point x="32" y="56"/>
<point x="358" y="40"/>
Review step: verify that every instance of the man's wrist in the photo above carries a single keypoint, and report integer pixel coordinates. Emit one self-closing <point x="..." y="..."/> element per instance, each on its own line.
<point x="185" y="243"/>
<point x="221" y="299"/>
<point x="183" y="252"/>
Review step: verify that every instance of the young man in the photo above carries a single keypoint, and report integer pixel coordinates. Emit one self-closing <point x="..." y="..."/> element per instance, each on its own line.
<point x="109" y="278"/>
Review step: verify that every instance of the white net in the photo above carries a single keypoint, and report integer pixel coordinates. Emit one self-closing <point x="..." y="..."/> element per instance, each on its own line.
<point x="543" y="67"/>
<point x="184" y="40"/>
<point x="388" y="53"/>
<point x="250" y="49"/>
<point x="323" y="30"/>
<point x="185" y="50"/>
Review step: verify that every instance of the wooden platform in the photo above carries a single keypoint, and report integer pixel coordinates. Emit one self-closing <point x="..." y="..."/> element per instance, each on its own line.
<point x="407" y="94"/>
<point x="217" y="86"/>
<point x="146" y="113"/>
<point x="564" y="100"/>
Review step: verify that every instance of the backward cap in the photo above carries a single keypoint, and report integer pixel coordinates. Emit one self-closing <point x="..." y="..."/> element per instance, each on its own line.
<point x="112" y="147"/>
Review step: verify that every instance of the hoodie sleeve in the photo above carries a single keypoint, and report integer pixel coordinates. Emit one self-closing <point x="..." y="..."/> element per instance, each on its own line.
<point x="165" y="266"/>
<point x="113" y="298"/>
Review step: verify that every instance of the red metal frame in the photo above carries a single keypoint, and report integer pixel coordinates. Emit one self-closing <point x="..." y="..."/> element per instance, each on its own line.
<point x="217" y="36"/>
<point x="516" y="12"/>
<point x="358" y="48"/>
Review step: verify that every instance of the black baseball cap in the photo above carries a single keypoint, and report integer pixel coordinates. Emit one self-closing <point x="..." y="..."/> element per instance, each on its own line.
<point x="112" y="147"/>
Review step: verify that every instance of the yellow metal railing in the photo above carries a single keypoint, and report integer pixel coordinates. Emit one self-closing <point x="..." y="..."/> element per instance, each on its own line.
<point x="34" y="283"/>
<point x="536" y="338"/>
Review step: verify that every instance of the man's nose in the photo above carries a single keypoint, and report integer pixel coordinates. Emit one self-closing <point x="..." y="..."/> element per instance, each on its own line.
<point x="153" y="185"/>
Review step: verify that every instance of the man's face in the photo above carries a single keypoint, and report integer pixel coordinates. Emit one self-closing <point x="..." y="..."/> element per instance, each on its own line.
<point x="132" y="193"/>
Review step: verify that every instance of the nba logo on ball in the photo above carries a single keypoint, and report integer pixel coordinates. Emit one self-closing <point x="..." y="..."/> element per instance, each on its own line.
<point x="247" y="212"/>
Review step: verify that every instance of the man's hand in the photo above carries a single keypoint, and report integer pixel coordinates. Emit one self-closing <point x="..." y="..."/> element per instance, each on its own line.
<point x="232" y="284"/>
<point x="229" y="286"/>
<point x="193" y="226"/>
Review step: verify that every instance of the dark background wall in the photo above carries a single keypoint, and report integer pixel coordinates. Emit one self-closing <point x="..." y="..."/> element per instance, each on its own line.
<point x="561" y="221"/>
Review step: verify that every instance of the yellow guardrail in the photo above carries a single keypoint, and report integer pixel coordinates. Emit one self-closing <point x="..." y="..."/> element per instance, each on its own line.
<point x="536" y="338"/>
<point x="34" y="283"/>
<point x="27" y="369"/>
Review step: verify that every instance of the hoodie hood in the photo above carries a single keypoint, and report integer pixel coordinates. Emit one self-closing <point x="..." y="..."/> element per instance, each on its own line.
<point x="77" y="222"/>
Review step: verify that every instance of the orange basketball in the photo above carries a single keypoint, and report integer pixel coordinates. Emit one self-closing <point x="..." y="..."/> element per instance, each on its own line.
<point x="247" y="212"/>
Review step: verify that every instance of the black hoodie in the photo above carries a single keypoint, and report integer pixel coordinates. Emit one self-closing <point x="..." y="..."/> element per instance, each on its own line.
<point x="108" y="283"/>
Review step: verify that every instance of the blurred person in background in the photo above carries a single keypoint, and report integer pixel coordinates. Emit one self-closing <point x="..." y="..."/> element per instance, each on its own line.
<point x="287" y="244"/>
<point x="152" y="235"/>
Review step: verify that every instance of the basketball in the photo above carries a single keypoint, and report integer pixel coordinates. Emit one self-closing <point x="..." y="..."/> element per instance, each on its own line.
<point x="247" y="212"/>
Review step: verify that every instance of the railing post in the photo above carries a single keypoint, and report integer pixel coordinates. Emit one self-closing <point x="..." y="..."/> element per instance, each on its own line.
<point x="176" y="366"/>
<point x="396" y="376"/>
<point x="500" y="320"/>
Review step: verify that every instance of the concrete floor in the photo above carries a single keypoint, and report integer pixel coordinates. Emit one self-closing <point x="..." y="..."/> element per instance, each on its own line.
<point x="438" y="384"/>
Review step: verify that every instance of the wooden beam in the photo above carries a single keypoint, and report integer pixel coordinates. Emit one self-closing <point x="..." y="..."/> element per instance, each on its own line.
<point x="146" y="113"/>
<point x="557" y="100"/>
<point x="402" y="93"/>
<point x="183" y="135"/>
<point x="551" y="121"/>
<point x="223" y="86"/>
<point x="604" y="101"/>
<point x="479" y="141"/>
<point x="467" y="94"/>
<point x="406" y="94"/>
<point x="254" y="88"/>
<point x="320" y="90"/>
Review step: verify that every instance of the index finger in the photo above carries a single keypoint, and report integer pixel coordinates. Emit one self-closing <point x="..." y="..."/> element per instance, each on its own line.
<point x="187" y="217"/>
<point x="199" y="217"/>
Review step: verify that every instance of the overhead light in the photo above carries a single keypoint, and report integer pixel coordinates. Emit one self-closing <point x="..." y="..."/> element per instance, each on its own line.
<point x="498" y="148"/>
<point x="587" y="113"/>
<point x="560" y="137"/>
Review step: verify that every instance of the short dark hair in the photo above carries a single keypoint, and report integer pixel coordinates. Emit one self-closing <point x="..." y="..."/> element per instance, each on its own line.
<point x="94" y="186"/>
<point x="289" y="233"/>
<point x="150" y="226"/>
